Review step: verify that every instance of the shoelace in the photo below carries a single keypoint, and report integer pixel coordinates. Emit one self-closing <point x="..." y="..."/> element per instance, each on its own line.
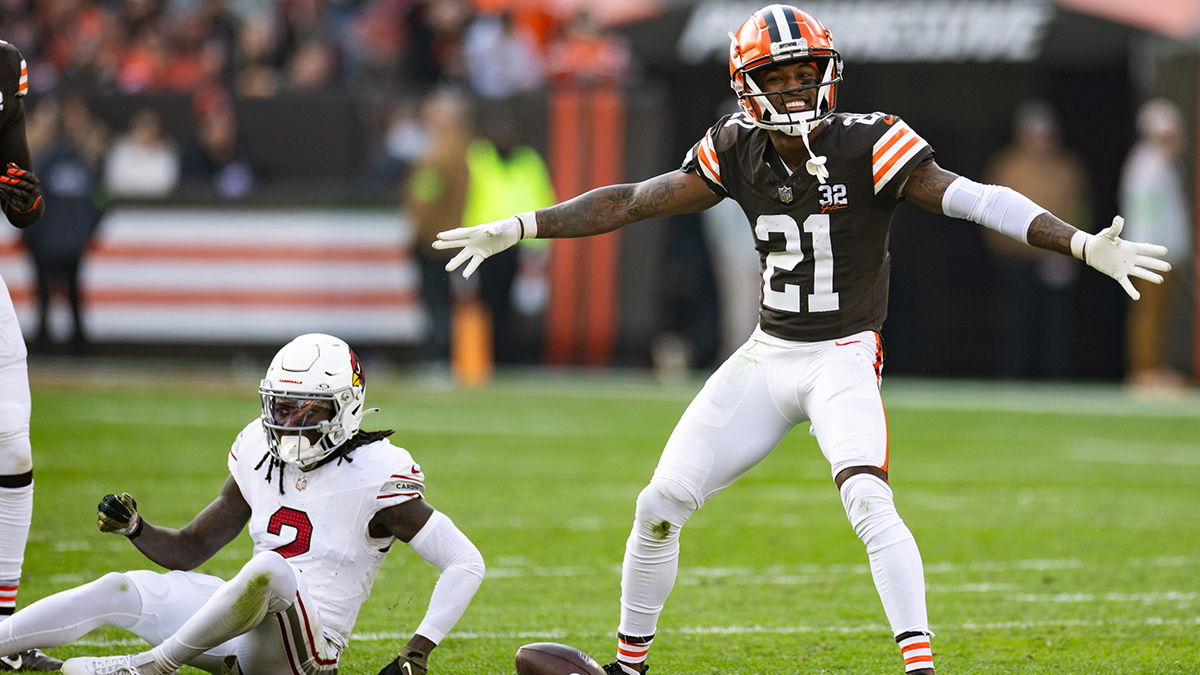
<point x="118" y="665"/>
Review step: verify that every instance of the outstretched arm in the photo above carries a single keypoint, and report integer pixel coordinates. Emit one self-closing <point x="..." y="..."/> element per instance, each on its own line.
<point x="185" y="548"/>
<point x="596" y="212"/>
<point x="608" y="208"/>
<point x="435" y="538"/>
<point x="935" y="189"/>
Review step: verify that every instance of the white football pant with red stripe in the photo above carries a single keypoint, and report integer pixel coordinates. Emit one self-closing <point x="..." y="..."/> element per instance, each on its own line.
<point x="744" y="410"/>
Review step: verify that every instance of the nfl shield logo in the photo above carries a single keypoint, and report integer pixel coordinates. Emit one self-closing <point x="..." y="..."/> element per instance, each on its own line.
<point x="785" y="194"/>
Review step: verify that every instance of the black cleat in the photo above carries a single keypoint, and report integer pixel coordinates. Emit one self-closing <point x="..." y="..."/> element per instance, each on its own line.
<point x="615" y="668"/>
<point x="30" y="661"/>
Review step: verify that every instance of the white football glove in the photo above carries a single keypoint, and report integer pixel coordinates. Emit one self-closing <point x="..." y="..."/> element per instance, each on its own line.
<point x="1120" y="259"/>
<point x="481" y="241"/>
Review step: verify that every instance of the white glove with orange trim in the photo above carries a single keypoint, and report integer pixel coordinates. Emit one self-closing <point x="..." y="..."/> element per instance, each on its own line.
<point x="1120" y="259"/>
<point x="481" y="241"/>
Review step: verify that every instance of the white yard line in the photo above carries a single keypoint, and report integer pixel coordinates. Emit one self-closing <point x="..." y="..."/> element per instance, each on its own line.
<point x="561" y="633"/>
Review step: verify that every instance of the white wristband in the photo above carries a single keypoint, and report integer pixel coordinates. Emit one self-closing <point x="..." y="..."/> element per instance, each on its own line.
<point x="1078" y="242"/>
<point x="528" y="222"/>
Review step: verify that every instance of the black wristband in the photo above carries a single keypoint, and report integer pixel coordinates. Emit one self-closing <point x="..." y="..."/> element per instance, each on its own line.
<point x="137" y="529"/>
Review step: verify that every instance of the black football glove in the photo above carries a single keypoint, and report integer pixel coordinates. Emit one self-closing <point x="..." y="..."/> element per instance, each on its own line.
<point x="119" y="515"/>
<point x="20" y="189"/>
<point x="409" y="662"/>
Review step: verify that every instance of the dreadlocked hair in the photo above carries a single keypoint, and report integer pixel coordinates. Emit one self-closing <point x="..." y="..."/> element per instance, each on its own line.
<point x="341" y="453"/>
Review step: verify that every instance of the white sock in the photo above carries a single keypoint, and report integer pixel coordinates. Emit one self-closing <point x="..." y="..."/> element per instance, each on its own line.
<point x="16" y="510"/>
<point x="64" y="617"/>
<point x="652" y="555"/>
<point x="891" y="550"/>
<point x="265" y="584"/>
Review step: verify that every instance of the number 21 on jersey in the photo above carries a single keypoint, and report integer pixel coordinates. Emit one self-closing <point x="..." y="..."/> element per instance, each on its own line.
<point x="823" y="298"/>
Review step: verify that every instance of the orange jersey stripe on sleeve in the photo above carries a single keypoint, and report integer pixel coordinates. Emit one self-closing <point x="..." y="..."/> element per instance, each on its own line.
<point x="892" y="151"/>
<point x="709" y="163"/>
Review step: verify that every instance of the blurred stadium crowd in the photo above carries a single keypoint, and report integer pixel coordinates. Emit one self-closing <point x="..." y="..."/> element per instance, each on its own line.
<point x="261" y="48"/>
<point x="217" y="54"/>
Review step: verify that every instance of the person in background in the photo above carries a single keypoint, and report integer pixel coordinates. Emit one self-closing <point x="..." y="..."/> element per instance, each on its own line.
<point x="502" y="60"/>
<point x="404" y="143"/>
<point x="1153" y="199"/>
<point x="218" y="159"/>
<point x="71" y="178"/>
<point x="506" y="177"/>
<point x="434" y="197"/>
<point x="587" y="54"/>
<point x="312" y="68"/>
<point x="1034" y="291"/>
<point x="143" y="163"/>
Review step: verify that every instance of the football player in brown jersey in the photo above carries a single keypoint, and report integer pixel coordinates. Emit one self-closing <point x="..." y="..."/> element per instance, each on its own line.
<point x="21" y="200"/>
<point x="819" y="188"/>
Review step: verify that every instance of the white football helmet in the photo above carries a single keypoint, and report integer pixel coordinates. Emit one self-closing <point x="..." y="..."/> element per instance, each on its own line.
<point x="312" y="399"/>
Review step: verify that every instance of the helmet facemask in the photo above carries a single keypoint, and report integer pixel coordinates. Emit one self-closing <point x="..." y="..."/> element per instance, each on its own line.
<point x="757" y="104"/>
<point x="763" y="112"/>
<point x="303" y="429"/>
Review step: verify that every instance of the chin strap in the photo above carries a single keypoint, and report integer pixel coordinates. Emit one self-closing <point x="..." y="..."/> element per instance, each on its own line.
<point x="815" y="165"/>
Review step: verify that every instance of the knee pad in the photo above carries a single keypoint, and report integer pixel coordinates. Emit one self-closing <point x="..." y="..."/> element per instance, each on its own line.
<point x="115" y="583"/>
<point x="268" y="577"/>
<point x="872" y="512"/>
<point x="16" y="457"/>
<point x="662" y="509"/>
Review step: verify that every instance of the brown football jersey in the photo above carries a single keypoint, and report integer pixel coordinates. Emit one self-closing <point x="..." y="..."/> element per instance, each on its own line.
<point x="823" y="249"/>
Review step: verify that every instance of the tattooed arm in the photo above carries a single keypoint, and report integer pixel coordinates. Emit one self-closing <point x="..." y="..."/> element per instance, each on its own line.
<point x="608" y="208"/>
<point x="599" y="211"/>
<point x="927" y="185"/>
<point x="199" y="540"/>
<point x="1009" y="212"/>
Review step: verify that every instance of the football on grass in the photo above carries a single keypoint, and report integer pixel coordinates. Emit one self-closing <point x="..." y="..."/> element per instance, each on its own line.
<point x="551" y="658"/>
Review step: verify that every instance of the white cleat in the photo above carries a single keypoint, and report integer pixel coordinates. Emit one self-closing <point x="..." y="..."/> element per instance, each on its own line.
<point x="108" y="665"/>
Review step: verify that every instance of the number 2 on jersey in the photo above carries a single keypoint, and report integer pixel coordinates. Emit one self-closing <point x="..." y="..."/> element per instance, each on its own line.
<point x="296" y="519"/>
<point x="823" y="298"/>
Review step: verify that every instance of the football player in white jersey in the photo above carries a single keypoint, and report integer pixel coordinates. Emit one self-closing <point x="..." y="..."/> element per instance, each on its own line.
<point x="325" y="502"/>
<point x="819" y="188"/>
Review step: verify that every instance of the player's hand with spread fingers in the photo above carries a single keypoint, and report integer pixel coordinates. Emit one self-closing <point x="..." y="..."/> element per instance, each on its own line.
<point x="119" y="515"/>
<point x="1120" y="259"/>
<point x="480" y="242"/>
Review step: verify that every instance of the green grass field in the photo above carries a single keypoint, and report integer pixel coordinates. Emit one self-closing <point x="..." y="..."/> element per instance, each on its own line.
<point x="1060" y="526"/>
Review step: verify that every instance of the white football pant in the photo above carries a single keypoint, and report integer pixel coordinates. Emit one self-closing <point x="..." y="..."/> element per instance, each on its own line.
<point x="264" y="616"/>
<point x="744" y="410"/>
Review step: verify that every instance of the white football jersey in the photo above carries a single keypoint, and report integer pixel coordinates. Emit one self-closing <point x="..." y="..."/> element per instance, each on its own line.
<point x="319" y="523"/>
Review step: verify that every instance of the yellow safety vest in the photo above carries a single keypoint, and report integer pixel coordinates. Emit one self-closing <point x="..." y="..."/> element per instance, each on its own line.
<point x="498" y="188"/>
